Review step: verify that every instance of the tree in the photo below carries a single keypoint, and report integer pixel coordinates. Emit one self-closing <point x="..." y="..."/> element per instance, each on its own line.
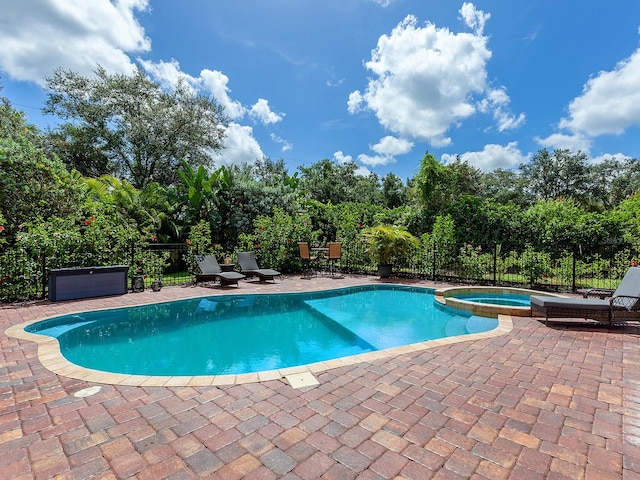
<point x="561" y="175"/>
<point x="127" y="126"/>
<point x="33" y="185"/>
<point x="393" y="191"/>
<point x="504" y="186"/>
<point x="613" y="180"/>
<point x="328" y="182"/>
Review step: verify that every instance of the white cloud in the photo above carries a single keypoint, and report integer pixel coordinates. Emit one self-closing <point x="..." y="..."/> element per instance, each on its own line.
<point x="392" y="146"/>
<point x="384" y="3"/>
<point x="75" y="34"/>
<point x="262" y="112"/>
<point x="215" y="82"/>
<point x="286" y="146"/>
<point x="425" y="80"/>
<point x="354" y="104"/>
<point x="473" y="18"/>
<point x="375" y="160"/>
<point x="362" y="172"/>
<point x="574" y="142"/>
<point x="497" y="101"/>
<point x="167" y="74"/>
<point x="341" y="158"/>
<point x="492" y="157"/>
<point x="239" y="146"/>
<point x="608" y="156"/>
<point x="610" y="101"/>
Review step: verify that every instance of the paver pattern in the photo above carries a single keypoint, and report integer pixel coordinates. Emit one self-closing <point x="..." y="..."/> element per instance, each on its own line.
<point x="538" y="402"/>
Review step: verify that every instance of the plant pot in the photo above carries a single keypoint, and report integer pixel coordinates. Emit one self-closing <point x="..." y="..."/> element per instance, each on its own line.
<point x="156" y="285"/>
<point x="384" y="270"/>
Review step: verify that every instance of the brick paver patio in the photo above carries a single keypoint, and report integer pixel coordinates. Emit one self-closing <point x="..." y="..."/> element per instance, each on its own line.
<point x="537" y="402"/>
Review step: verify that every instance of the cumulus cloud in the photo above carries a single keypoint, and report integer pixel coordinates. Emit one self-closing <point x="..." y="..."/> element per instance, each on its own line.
<point x="362" y="171"/>
<point x="239" y="146"/>
<point x="341" y="158"/>
<point x="610" y="101"/>
<point x="262" y="112"/>
<point x="574" y="142"/>
<point x="492" y="157"/>
<point x="497" y="102"/>
<point x="79" y="35"/>
<point x="473" y="18"/>
<point x="608" y="156"/>
<point x="385" y="151"/>
<point x="425" y="80"/>
<point x="392" y="146"/>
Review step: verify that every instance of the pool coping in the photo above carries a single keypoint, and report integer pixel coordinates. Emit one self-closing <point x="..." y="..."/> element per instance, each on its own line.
<point x="50" y="356"/>
<point x="445" y="297"/>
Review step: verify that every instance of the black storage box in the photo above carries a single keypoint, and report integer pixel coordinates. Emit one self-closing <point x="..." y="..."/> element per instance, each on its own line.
<point x="86" y="282"/>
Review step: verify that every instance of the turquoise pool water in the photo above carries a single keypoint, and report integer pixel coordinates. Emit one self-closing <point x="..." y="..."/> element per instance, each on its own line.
<point x="233" y="334"/>
<point x="509" y="299"/>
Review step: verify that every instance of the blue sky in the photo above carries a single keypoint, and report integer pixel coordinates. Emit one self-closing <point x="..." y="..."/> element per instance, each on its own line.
<point x="378" y="82"/>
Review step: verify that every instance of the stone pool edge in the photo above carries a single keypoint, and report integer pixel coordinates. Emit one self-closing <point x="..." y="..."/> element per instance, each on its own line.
<point x="51" y="358"/>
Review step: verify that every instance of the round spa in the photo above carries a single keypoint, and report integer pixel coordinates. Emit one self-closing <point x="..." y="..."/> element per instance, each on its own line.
<point x="489" y="301"/>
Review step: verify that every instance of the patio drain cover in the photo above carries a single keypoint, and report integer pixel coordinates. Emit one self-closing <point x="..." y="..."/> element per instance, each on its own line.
<point x="87" y="392"/>
<point x="299" y="380"/>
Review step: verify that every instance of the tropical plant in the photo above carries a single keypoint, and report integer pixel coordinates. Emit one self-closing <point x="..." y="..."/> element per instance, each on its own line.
<point x="389" y="242"/>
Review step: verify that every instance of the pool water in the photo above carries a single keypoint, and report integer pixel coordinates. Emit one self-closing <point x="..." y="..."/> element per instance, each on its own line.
<point x="509" y="299"/>
<point x="233" y="334"/>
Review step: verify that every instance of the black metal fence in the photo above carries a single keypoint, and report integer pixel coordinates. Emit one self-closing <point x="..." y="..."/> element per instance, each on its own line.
<point x="24" y="276"/>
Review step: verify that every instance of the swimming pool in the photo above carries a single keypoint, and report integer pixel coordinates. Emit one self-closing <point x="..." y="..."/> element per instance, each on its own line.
<point x="235" y="334"/>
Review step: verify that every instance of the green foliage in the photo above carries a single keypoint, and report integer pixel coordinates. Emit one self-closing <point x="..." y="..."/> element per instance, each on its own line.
<point x="443" y="239"/>
<point x="474" y="263"/>
<point x="199" y="243"/>
<point x="535" y="265"/>
<point x="274" y="239"/>
<point x="207" y="197"/>
<point x="32" y="184"/>
<point x="387" y="243"/>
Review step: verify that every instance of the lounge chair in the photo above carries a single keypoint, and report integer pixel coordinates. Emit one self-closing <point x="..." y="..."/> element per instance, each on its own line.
<point x="622" y="306"/>
<point x="210" y="270"/>
<point x="249" y="267"/>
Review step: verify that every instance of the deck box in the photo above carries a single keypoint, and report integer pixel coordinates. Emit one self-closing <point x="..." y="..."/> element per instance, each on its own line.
<point x="86" y="282"/>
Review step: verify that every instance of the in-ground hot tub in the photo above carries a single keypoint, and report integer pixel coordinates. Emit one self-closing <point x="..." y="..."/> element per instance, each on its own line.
<point x="489" y="301"/>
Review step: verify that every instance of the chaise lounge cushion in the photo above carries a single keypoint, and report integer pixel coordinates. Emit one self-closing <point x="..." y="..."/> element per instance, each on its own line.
<point x="249" y="266"/>
<point x="544" y="302"/>
<point x="627" y="295"/>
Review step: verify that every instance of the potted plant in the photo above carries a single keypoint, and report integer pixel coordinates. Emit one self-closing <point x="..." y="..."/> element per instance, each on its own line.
<point x="387" y="243"/>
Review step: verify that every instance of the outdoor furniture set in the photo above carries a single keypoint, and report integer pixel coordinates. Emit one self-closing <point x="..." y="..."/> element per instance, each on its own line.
<point x="210" y="270"/>
<point x="312" y="257"/>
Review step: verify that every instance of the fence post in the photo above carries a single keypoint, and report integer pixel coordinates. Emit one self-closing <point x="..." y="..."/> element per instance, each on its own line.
<point x="495" y="263"/>
<point x="133" y="261"/>
<point x="44" y="273"/>
<point x="433" y="274"/>
<point x="573" y="273"/>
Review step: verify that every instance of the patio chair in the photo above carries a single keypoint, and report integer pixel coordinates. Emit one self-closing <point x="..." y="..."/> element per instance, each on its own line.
<point x="623" y="304"/>
<point x="308" y="261"/>
<point x="249" y="267"/>
<point x="334" y="254"/>
<point x="210" y="271"/>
